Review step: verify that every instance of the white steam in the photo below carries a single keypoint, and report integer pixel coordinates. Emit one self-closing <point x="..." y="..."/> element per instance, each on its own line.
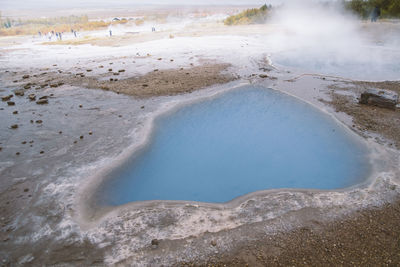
<point x="325" y="39"/>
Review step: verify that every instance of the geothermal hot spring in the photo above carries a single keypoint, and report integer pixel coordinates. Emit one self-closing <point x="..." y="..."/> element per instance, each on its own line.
<point x="245" y="140"/>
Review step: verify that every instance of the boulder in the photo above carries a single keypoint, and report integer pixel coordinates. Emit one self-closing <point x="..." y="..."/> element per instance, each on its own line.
<point x="380" y="98"/>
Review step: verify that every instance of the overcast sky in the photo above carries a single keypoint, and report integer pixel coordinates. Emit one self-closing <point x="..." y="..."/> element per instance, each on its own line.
<point x="27" y="4"/>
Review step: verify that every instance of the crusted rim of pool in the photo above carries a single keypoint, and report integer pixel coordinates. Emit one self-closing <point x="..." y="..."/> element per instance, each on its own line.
<point x="89" y="214"/>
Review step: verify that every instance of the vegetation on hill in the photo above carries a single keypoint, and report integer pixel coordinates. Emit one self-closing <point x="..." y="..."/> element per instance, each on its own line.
<point x="249" y="16"/>
<point x="364" y="8"/>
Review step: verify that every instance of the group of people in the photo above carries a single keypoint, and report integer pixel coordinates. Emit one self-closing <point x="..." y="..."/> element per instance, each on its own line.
<point x="58" y="35"/>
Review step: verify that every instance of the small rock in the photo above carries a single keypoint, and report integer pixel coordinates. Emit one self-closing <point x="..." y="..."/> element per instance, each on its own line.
<point x="155" y="243"/>
<point x="213" y="243"/>
<point x="115" y="80"/>
<point x="6" y="98"/>
<point x="109" y="69"/>
<point x="39" y="121"/>
<point x="60" y="132"/>
<point x="11" y="103"/>
<point x="75" y="142"/>
<point x="43" y="97"/>
<point x="19" y="93"/>
<point x="145" y="85"/>
<point x="89" y="70"/>
<point x="81" y="137"/>
<point x="60" y="83"/>
<point x="121" y="71"/>
<point x="15" y="112"/>
<point x="111" y="79"/>
<point x="23" y="142"/>
<point x="26" y="189"/>
<point x="42" y="101"/>
<point x="14" y="126"/>
<point x="156" y="70"/>
<point x="142" y="107"/>
<point x="32" y="97"/>
<point x="26" y="76"/>
<point x="90" y="133"/>
<point x="171" y="60"/>
<point x="31" y="142"/>
<point x="116" y="73"/>
<point x="159" y="58"/>
<point x="101" y="66"/>
<point x="263" y="76"/>
<point x="31" y="121"/>
<point x="42" y="152"/>
<point x="17" y="153"/>
<point x="80" y="106"/>
<point x="27" y="86"/>
<point x="53" y="85"/>
<point x="1" y="148"/>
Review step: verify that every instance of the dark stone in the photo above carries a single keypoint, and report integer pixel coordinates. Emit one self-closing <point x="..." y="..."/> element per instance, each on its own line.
<point x="121" y="71"/>
<point x="6" y="98"/>
<point x="10" y="103"/>
<point x="145" y="85"/>
<point x="142" y="107"/>
<point x="26" y="189"/>
<point x="43" y="97"/>
<point x="27" y="86"/>
<point x="19" y="93"/>
<point x="81" y="137"/>
<point x="15" y="112"/>
<point x="381" y="98"/>
<point x="42" y="101"/>
<point x="155" y="242"/>
<point x="32" y="97"/>
<point x="39" y="121"/>
<point x="14" y="126"/>
<point x="213" y="243"/>
<point x="263" y="76"/>
<point x="42" y="152"/>
<point x="26" y="76"/>
<point x="116" y="73"/>
<point x="80" y="106"/>
<point x="109" y="69"/>
<point x="89" y="70"/>
<point x="90" y="133"/>
<point x="53" y="85"/>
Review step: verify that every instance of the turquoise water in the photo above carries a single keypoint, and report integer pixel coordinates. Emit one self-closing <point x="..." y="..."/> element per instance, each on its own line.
<point x="246" y="140"/>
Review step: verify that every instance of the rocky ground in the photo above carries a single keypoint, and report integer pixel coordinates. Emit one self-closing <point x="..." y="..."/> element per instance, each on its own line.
<point x="365" y="238"/>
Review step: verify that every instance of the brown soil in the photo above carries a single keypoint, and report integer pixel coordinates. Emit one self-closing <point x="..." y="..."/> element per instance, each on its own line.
<point x="366" y="238"/>
<point x="385" y="122"/>
<point x="161" y="82"/>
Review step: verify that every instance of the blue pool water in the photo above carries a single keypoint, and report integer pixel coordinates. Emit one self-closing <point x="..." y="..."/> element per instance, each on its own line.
<point x="246" y="140"/>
